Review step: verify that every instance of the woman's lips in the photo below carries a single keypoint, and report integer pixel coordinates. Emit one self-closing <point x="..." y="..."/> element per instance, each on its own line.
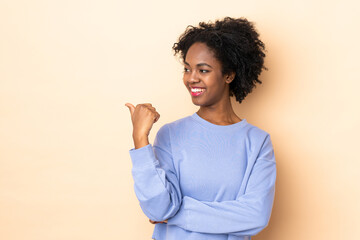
<point x="197" y="91"/>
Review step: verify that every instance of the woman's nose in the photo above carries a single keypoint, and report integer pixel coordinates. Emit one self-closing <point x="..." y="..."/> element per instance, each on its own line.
<point x="193" y="77"/>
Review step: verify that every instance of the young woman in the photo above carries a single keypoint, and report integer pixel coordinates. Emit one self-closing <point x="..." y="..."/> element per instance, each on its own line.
<point x="210" y="175"/>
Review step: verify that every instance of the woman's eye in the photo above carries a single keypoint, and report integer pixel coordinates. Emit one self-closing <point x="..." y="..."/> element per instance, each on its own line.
<point x="186" y="70"/>
<point x="203" y="71"/>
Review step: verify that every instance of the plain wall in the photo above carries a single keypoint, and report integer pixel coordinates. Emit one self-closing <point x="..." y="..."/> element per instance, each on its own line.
<point x="68" y="67"/>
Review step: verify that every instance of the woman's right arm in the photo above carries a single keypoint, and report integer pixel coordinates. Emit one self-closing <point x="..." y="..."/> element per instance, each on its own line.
<point x="155" y="180"/>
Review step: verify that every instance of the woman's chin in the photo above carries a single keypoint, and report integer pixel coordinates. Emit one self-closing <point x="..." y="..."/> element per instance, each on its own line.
<point x="196" y="102"/>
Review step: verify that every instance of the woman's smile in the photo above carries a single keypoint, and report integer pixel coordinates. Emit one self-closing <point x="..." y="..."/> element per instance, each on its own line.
<point x="197" y="91"/>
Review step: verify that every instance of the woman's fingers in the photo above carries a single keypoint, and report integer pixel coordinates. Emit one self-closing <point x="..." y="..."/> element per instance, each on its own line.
<point x="143" y="108"/>
<point x="148" y="106"/>
<point x="157" y="117"/>
<point x="155" y="222"/>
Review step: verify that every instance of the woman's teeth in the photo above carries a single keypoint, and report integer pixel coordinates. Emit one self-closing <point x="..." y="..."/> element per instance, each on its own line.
<point x="197" y="90"/>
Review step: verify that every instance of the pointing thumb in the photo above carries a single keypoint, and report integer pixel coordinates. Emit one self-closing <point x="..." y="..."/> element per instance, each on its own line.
<point x="131" y="108"/>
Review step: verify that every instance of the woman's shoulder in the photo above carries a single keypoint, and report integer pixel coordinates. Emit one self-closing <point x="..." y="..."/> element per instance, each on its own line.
<point x="178" y="123"/>
<point x="258" y="136"/>
<point x="168" y="130"/>
<point x="173" y="125"/>
<point x="256" y="130"/>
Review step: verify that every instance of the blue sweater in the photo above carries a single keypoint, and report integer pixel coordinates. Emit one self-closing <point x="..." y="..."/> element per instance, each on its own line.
<point x="212" y="182"/>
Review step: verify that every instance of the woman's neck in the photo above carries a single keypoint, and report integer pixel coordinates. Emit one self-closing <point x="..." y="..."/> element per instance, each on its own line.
<point x="219" y="115"/>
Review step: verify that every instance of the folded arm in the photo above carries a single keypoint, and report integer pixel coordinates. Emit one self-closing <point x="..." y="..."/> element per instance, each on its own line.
<point x="247" y="215"/>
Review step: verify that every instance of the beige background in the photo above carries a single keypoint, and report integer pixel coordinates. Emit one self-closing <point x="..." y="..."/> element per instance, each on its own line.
<point x="68" y="67"/>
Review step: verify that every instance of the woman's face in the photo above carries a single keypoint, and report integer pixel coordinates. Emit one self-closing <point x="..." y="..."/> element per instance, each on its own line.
<point x="203" y="77"/>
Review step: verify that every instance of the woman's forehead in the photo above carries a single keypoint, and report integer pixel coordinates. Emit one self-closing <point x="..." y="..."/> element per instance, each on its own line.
<point x="200" y="52"/>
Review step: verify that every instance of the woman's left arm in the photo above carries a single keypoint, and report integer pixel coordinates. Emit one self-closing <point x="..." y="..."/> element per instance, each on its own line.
<point x="247" y="215"/>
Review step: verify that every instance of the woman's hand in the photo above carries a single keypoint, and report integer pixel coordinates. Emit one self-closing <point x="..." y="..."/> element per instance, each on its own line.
<point x="155" y="222"/>
<point x="143" y="116"/>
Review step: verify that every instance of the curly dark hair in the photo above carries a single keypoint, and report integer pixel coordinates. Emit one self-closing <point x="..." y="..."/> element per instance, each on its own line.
<point x="236" y="44"/>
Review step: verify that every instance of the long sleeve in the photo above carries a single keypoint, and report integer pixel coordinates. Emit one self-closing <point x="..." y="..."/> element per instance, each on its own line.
<point x="247" y="215"/>
<point x="155" y="182"/>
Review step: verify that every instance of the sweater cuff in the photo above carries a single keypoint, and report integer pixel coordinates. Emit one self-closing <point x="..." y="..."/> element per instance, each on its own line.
<point x="143" y="156"/>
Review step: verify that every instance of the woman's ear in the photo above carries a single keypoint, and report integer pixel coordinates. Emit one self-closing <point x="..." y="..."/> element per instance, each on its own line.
<point x="230" y="77"/>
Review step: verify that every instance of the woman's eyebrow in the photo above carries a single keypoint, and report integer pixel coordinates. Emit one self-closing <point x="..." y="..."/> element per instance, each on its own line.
<point x="199" y="64"/>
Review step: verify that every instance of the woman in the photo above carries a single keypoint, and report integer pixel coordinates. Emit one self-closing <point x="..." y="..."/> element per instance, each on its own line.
<point x="210" y="175"/>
